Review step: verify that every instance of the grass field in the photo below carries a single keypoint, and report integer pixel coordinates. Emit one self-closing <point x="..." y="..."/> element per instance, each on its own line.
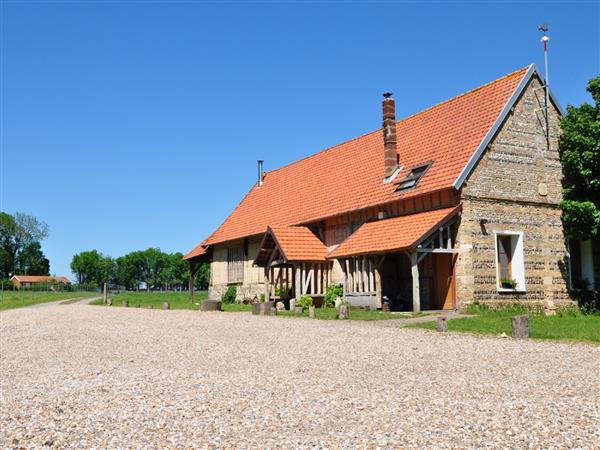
<point x="567" y="325"/>
<point x="18" y="299"/>
<point x="177" y="300"/>
<point x="180" y="300"/>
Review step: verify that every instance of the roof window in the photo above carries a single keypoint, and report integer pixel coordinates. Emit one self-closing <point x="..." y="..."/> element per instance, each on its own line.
<point x="413" y="177"/>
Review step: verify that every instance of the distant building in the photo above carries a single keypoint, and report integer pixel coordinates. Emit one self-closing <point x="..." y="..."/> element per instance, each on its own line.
<point x="27" y="281"/>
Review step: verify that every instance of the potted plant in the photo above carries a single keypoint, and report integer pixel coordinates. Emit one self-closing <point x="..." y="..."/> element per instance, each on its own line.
<point x="303" y="303"/>
<point x="508" y="283"/>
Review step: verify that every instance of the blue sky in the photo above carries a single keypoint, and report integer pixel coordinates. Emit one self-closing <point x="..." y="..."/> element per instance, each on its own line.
<point x="128" y="125"/>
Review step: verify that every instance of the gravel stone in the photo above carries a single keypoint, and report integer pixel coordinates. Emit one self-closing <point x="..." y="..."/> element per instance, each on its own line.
<point x="90" y="377"/>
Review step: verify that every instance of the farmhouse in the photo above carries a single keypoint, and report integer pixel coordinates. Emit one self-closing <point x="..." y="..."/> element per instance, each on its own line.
<point x="27" y="281"/>
<point x="454" y="204"/>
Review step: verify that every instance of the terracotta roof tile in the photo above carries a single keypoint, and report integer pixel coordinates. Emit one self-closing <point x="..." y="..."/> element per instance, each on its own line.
<point x="40" y="279"/>
<point x="349" y="176"/>
<point x="199" y="250"/>
<point x="397" y="233"/>
<point x="299" y="243"/>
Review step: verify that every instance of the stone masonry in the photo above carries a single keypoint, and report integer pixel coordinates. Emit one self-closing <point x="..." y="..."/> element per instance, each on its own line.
<point x="516" y="186"/>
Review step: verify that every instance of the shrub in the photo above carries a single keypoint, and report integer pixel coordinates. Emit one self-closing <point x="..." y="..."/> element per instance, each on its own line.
<point x="229" y="296"/>
<point x="333" y="291"/>
<point x="283" y="292"/>
<point x="305" y="301"/>
<point x="261" y="298"/>
<point x="588" y="300"/>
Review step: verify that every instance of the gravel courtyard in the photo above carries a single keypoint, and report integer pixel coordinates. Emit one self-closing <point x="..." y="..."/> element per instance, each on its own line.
<point x="93" y="377"/>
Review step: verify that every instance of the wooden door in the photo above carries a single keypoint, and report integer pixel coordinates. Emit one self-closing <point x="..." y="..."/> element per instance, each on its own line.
<point x="443" y="275"/>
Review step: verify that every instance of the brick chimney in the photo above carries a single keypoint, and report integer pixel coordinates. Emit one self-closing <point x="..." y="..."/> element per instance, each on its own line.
<point x="390" y="151"/>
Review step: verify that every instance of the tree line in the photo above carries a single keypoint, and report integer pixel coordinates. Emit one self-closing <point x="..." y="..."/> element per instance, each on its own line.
<point x="149" y="269"/>
<point x="20" y="245"/>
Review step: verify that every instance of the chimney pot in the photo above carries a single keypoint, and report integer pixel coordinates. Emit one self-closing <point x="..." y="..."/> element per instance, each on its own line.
<point x="261" y="174"/>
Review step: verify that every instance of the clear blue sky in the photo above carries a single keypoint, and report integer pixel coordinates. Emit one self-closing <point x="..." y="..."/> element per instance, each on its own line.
<point x="127" y="125"/>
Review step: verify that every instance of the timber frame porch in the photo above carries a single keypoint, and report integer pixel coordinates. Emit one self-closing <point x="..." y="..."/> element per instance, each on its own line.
<point x="294" y="262"/>
<point x="364" y="280"/>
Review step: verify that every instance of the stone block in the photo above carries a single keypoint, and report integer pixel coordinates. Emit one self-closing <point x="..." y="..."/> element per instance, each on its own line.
<point x="210" y="305"/>
<point x="520" y="326"/>
<point x="266" y="307"/>
<point x="442" y="324"/>
<point x="298" y="310"/>
<point x="312" y="312"/>
<point x="166" y="305"/>
<point x="343" y="314"/>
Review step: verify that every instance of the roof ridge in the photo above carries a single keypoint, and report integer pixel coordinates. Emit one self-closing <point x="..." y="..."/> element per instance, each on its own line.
<point x="404" y="118"/>
<point x="467" y="92"/>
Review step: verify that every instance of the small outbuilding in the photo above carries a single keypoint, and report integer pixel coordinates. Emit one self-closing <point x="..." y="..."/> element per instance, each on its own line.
<point x="28" y="281"/>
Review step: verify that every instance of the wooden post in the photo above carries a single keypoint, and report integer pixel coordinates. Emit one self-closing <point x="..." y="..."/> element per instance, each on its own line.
<point x="349" y="281"/>
<point x="104" y="295"/>
<point x="378" y="292"/>
<point x="191" y="285"/>
<point x="298" y="281"/>
<point x="414" y="263"/>
<point x="267" y="284"/>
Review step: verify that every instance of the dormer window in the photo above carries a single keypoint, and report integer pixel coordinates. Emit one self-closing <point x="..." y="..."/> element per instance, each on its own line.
<point x="413" y="177"/>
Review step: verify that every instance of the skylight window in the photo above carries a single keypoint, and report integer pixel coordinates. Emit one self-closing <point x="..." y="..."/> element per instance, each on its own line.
<point x="413" y="177"/>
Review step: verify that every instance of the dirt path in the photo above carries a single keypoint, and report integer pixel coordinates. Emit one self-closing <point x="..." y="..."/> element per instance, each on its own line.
<point x="83" y="301"/>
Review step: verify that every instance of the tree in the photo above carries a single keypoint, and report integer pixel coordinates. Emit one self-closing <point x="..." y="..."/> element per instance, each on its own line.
<point x="203" y="276"/>
<point x="92" y="267"/>
<point x="580" y="158"/>
<point x="20" y="248"/>
<point x="32" y="261"/>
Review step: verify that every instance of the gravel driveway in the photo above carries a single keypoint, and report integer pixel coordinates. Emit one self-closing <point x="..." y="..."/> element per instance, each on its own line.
<point x="87" y="376"/>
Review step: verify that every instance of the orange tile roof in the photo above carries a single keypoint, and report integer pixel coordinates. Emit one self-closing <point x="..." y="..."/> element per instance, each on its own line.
<point x="40" y="279"/>
<point x="299" y="243"/>
<point x="397" y="233"/>
<point x="349" y="176"/>
<point x="199" y="250"/>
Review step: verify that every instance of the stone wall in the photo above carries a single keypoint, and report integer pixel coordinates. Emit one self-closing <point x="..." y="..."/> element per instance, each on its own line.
<point x="516" y="186"/>
<point x="253" y="282"/>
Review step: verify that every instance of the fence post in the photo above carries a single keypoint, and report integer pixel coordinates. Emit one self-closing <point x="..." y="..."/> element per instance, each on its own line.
<point x="104" y="294"/>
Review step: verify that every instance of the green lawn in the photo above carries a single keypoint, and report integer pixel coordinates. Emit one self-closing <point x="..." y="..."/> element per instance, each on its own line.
<point x="567" y="325"/>
<point x="18" y="299"/>
<point x="355" y="314"/>
<point x="177" y="300"/>
<point x="180" y="300"/>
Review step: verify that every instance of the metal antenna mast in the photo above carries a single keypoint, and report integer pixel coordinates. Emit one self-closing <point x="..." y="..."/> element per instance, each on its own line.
<point x="544" y="29"/>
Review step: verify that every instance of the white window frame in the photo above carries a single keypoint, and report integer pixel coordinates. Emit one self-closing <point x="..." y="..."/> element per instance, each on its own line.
<point x="517" y="260"/>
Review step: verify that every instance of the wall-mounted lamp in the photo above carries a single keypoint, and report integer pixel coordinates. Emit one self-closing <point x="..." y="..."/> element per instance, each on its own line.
<point x="482" y="223"/>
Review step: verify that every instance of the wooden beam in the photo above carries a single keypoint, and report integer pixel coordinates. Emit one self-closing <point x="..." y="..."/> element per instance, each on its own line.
<point x="297" y="281"/>
<point x="191" y="285"/>
<point x="349" y="280"/>
<point x="414" y="266"/>
<point x="371" y="274"/>
<point x="378" y="292"/>
<point x="267" y="284"/>
<point x="437" y="250"/>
